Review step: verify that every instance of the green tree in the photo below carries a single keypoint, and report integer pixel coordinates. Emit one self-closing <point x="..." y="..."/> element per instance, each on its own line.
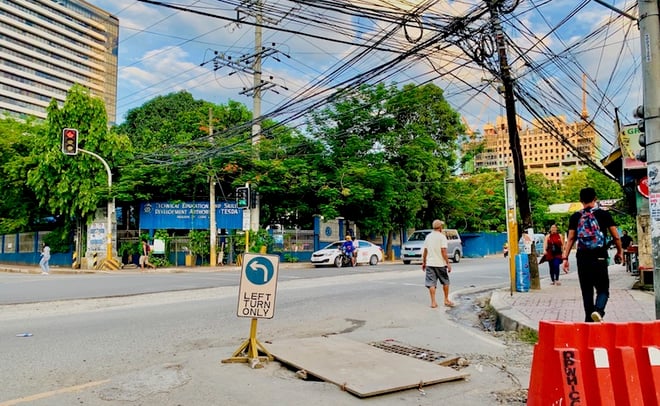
<point x="389" y="155"/>
<point x="19" y="209"/>
<point x="542" y="193"/>
<point x="479" y="204"/>
<point x="421" y="145"/>
<point x="171" y="135"/>
<point x="605" y="187"/>
<point x="288" y="176"/>
<point x="74" y="186"/>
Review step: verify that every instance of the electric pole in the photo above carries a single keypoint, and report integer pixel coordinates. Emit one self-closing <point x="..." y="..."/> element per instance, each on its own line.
<point x="213" y="230"/>
<point x="514" y="138"/>
<point x="256" y="103"/>
<point x="252" y="65"/>
<point x="649" y="28"/>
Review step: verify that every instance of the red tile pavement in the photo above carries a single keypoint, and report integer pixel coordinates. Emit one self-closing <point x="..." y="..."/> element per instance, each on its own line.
<point x="564" y="302"/>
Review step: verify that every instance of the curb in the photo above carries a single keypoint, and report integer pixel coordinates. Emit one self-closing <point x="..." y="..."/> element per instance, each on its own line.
<point x="508" y="318"/>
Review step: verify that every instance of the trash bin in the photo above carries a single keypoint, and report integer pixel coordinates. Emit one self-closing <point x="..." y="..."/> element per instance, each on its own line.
<point x="190" y="260"/>
<point x="522" y="273"/>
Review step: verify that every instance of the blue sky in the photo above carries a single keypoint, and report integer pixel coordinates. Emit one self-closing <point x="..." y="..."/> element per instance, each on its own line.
<point x="161" y="50"/>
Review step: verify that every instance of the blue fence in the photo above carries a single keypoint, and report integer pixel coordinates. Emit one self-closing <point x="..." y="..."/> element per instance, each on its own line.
<point x="24" y="248"/>
<point x="478" y="245"/>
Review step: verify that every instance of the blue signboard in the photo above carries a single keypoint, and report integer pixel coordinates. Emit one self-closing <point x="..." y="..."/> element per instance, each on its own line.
<point x="189" y="215"/>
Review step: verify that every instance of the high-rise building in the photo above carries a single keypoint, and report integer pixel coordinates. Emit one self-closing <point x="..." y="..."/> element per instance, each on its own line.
<point x="46" y="46"/>
<point x="542" y="151"/>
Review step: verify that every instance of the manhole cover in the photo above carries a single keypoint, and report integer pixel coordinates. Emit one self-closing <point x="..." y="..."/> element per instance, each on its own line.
<point x="415" y="352"/>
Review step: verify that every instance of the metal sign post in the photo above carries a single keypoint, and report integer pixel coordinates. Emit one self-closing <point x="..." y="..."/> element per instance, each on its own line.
<point x="511" y="224"/>
<point x="256" y="299"/>
<point x="109" y="262"/>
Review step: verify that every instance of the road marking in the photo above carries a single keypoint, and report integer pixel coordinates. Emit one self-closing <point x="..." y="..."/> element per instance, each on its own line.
<point x="53" y="393"/>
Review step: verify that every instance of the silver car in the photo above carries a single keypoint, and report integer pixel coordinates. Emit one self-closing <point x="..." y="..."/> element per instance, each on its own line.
<point x="412" y="249"/>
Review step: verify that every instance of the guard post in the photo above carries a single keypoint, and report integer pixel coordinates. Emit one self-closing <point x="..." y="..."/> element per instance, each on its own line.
<point x="256" y="300"/>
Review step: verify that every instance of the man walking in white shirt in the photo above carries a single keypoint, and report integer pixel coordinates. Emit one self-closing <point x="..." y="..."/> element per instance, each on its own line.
<point x="435" y="263"/>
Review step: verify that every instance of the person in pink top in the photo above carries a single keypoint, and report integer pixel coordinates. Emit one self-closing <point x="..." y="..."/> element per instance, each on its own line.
<point x="554" y="244"/>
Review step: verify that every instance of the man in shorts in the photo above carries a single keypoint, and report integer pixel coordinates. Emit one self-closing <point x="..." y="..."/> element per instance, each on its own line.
<point x="435" y="263"/>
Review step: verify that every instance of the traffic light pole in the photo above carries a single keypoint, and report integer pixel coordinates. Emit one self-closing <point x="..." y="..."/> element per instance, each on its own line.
<point x="649" y="28"/>
<point x="110" y="262"/>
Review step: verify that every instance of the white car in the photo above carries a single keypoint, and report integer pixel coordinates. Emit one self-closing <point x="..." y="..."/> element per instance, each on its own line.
<point x="367" y="253"/>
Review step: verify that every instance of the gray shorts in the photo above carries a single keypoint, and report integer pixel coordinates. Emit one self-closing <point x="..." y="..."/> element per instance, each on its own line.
<point x="435" y="273"/>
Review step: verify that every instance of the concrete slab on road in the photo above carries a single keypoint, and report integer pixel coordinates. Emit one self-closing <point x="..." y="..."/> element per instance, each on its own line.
<point x="359" y="368"/>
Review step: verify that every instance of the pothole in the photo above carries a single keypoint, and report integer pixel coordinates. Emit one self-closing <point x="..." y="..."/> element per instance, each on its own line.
<point x="134" y="386"/>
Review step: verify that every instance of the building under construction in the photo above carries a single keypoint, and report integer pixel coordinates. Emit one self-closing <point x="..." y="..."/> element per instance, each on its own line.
<point x="543" y="151"/>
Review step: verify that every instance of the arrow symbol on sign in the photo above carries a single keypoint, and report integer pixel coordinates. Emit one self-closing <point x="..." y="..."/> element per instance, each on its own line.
<point x="254" y="266"/>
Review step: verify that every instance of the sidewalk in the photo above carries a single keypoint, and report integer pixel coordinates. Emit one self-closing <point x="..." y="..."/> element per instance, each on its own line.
<point x="564" y="302"/>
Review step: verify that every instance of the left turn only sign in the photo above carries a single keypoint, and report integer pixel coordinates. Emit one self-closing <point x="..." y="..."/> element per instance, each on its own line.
<point x="256" y="294"/>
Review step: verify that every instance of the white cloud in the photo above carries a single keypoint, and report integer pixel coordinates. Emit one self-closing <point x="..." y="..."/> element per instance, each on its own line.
<point x="161" y="50"/>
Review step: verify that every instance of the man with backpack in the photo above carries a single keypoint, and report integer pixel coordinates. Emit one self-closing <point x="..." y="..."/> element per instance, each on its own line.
<point x="588" y="227"/>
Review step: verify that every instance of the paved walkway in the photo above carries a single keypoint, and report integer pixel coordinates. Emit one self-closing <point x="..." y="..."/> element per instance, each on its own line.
<point x="564" y="302"/>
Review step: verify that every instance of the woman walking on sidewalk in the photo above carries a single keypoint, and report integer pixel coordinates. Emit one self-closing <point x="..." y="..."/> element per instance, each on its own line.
<point x="45" y="257"/>
<point x="554" y="243"/>
<point x="144" y="258"/>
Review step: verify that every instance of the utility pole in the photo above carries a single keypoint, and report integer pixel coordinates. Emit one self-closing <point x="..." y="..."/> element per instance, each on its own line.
<point x="252" y="65"/>
<point x="256" y="102"/>
<point x="514" y="138"/>
<point x="649" y="28"/>
<point x="213" y="231"/>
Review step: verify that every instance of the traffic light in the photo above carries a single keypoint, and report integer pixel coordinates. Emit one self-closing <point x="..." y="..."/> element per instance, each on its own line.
<point x="243" y="197"/>
<point x="70" y="141"/>
<point x="254" y="196"/>
<point x="641" y="125"/>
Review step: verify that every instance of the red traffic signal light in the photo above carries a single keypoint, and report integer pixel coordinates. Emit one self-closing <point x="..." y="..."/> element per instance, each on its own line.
<point x="70" y="141"/>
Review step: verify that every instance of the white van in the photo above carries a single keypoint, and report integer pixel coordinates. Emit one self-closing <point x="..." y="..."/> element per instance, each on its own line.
<point x="411" y="250"/>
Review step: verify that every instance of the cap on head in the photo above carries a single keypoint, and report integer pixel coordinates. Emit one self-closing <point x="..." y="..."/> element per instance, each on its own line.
<point x="348" y="238"/>
<point x="437" y="224"/>
<point x="587" y="195"/>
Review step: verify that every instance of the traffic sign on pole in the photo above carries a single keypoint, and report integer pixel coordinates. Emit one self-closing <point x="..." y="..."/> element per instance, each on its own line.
<point x="256" y="296"/>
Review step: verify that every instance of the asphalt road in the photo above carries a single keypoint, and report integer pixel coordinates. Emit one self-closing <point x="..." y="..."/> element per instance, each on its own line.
<point x="166" y="348"/>
<point x="32" y="288"/>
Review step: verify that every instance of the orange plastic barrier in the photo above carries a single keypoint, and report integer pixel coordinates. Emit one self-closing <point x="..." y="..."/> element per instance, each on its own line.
<point x="596" y="364"/>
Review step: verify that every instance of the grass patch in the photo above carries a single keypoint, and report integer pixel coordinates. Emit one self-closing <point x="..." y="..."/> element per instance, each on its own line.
<point x="528" y="335"/>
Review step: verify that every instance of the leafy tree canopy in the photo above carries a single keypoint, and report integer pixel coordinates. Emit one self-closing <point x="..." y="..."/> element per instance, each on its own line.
<point x="18" y="206"/>
<point x="74" y="186"/>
